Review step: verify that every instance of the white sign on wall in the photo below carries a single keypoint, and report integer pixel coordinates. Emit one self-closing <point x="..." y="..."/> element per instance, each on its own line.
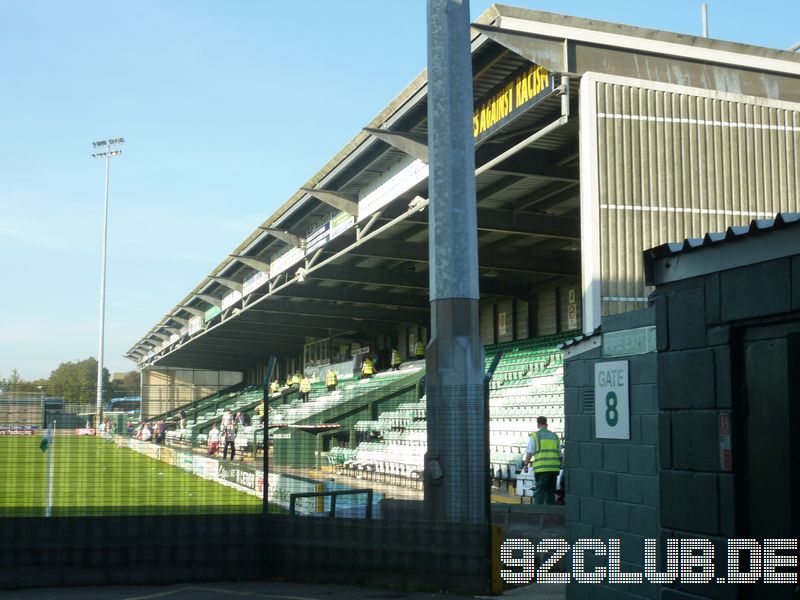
<point x="572" y="310"/>
<point x="611" y="408"/>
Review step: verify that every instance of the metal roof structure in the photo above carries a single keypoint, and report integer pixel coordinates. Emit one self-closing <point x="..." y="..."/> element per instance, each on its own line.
<point x="347" y="254"/>
<point x="762" y="240"/>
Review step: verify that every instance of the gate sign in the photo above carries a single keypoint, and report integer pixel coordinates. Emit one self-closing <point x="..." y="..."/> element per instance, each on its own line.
<point x="611" y="408"/>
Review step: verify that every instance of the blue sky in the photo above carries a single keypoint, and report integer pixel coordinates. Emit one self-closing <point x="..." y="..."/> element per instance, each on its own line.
<point x="227" y="108"/>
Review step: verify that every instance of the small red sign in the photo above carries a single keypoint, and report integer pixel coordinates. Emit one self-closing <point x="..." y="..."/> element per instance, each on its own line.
<point x="725" y="451"/>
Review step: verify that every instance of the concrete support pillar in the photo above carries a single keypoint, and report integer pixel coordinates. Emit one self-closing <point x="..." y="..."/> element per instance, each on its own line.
<point x="456" y="480"/>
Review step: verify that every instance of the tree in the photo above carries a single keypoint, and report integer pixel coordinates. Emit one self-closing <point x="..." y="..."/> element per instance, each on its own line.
<point x="77" y="382"/>
<point x="15" y="378"/>
<point x="127" y="385"/>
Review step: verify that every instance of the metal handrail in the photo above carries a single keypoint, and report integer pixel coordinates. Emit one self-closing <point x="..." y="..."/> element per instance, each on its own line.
<point x="333" y="494"/>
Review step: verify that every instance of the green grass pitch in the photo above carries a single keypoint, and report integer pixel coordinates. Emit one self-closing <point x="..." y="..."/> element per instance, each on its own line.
<point x="94" y="477"/>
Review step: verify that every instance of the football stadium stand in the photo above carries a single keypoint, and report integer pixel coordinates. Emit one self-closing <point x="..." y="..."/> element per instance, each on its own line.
<point x="527" y="383"/>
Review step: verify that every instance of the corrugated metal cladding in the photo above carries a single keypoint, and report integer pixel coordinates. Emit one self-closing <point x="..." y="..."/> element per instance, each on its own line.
<point x="673" y="165"/>
<point x="486" y="316"/>
<point x="546" y="312"/>
<point x="505" y="320"/>
<point x="521" y="323"/>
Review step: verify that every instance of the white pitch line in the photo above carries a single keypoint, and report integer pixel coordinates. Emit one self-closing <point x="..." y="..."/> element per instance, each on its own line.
<point x="207" y="589"/>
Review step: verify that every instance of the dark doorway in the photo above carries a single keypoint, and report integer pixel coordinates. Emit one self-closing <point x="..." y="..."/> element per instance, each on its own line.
<point x="766" y="439"/>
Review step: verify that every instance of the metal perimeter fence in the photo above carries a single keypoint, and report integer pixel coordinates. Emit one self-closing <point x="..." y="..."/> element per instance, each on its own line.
<point x="326" y="484"/>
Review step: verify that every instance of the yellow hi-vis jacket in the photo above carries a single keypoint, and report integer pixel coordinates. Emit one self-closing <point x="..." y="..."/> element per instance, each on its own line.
<point x="295" y="380"/>
<point x="331" y="378"/>
<point x="419" y="352"/>
<point x="546" y="457"/>
<point x="367" y="368"/>
<point x="305" y="385"/>
<point x="275" y="387"/>
<point x="396" y="358"/>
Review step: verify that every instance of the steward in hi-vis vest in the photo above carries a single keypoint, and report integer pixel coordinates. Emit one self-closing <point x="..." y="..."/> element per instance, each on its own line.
<point x="396" y="362"/>
<point x="544" y="448"/>
<point x="546" y="454"/>
<point x="419" y="352"/>
<point x="367" y="368"/>
<point x="305" y="388"/>
<point x="331" y="380"/>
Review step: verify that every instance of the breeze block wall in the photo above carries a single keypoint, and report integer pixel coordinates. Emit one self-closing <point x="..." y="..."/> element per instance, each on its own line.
<point x="613" y="485"/>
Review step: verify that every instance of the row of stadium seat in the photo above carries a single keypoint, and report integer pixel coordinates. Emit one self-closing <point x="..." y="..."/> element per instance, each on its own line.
<point x="531" y="385"/>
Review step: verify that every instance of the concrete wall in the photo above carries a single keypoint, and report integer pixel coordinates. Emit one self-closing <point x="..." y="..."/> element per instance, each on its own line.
<point x="612" y="485"/>
<point x="165" y="389"/>
<point x="696" y="320"/>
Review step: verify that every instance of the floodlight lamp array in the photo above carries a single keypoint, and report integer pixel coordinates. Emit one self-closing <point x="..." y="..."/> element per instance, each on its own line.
<point x="105" y="154"/>
<point x="111" y="142"/>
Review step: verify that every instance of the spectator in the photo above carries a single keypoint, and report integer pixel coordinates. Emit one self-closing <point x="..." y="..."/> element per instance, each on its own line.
<point x="182" y="422"/>
<point x="147" y="433"/>
<point x="161" y="431"/>
<point x="229" y="435"/>
<point x="213" y="440"/>
<point x="241" y="419"/>
<point x="227" y="418"/>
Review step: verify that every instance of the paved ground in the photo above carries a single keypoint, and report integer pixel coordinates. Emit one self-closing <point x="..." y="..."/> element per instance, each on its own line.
<point x="254" y="591"/>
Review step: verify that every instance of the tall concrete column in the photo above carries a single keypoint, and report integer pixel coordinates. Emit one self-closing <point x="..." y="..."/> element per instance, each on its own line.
<point x="456" y="480"/>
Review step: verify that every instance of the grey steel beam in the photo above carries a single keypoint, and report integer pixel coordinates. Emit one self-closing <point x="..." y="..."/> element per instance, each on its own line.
<point x="354" y="296"/>
<point x="231" y="284"/>
<point x="333" y="324"/>
<point x="253" y="263"/>
<point x="456" y="461"/>
<point x="412" y="144"/>
<point x="180" y="320"/>
<point x="214" y="301"/>
<point x="550" y="195"/>
<point x="580" y="46"/>
<point x="399" y="250"/>
<point x="262" y="329"/>
<point x="383" y="277"/>
<point x="406" y="279"/>
<point x="497" y="187"/>
<point x="375" y="315"/>
<point x="293" y="240"/>
<point x="193" y="310"/>
<point x="528" y="223"/>
<point x="550" y="54"/>
<point x="522" y="164"/>
<point x="236" y="348"/>
<point x="242" y="343"/>
<point x="535" y="224"/>
<point x="342" y="200"/>
<point x="532" y="262"/>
